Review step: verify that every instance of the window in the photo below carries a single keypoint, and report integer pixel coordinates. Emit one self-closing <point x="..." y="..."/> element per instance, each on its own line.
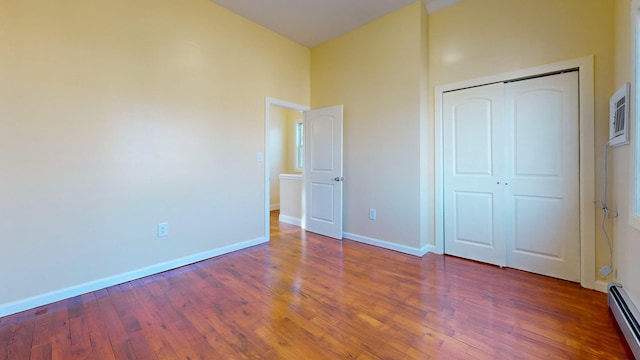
<point x="299" y="161"/>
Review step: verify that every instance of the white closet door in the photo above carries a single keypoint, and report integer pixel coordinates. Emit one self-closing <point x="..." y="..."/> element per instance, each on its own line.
<point x="473" y="172"/>
<point x="543" y="234"/>
<point x="511" y="175"/>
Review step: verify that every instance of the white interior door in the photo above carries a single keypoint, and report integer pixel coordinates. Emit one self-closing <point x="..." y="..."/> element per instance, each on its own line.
<point x="543" y="224"/>
<point x="473" y="172"/>
<point x="511" y="174"/>
<point x="322" y="198"/>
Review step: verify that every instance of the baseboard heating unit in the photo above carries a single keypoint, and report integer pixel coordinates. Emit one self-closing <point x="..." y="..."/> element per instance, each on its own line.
<point x="626" y="315"/>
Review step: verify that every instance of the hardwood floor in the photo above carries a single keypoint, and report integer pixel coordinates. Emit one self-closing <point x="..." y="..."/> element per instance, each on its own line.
<point x="303" y="296"/>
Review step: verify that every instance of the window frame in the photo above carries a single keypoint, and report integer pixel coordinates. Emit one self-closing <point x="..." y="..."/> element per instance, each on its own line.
<point x="298" y="164"/>
<point x="634" y="123"/>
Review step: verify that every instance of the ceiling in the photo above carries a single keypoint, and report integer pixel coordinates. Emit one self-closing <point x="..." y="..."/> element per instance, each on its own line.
<point x="313" y="22"/>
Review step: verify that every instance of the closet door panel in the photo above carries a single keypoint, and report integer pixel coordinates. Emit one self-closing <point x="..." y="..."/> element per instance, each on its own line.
<point x="542" y="195"/>
<point x="538" y="237"/>
<point x="537" y="134"/>
<point x="473" y="167"/>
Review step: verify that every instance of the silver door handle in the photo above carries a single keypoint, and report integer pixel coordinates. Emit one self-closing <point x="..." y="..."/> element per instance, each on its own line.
<point x="338" y="178"/>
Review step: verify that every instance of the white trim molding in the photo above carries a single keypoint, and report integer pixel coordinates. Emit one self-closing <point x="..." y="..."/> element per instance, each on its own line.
<point x="48" y="298"/>
<point x="601" y="285"/>
<point x="295" y="177"/>
<point x="587" y="155"/>
<point x="634" y="119"/>
<point x="389" y="245"/>
<point x="290" y="220"/>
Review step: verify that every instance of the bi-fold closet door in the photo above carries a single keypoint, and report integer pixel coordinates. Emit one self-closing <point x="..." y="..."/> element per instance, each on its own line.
<point x="511" y="174"/>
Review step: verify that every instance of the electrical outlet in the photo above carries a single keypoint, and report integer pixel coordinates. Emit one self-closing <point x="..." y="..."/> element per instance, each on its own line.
<point x="163" y="229"/>
<point x="372" y="214"/>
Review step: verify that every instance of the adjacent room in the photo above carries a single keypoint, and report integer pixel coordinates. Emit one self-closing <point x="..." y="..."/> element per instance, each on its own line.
<point x="390" y="179"/>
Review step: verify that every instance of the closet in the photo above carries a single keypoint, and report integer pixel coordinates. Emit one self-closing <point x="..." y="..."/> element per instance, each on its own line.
<point x="511" y="174"/>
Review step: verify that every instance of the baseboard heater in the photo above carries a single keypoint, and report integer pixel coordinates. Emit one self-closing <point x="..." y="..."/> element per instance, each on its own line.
<point x="626" y="315"/>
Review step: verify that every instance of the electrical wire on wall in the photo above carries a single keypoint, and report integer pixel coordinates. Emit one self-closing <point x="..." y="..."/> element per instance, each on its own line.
<point x="606" y="212"/>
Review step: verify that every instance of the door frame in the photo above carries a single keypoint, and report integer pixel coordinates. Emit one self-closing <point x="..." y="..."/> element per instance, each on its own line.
<point x="267" y="188"/>
<point x="587" y="155"/>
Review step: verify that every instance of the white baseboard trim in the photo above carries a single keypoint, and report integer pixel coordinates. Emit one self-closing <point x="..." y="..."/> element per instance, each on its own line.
<point x="274" y="207"/>
<point x="290" y="220"/>
<point x="597" y="285"/>
<point x="601" y="286"/>
<point x="51" y="297"/>
<point x="391" y="246"/>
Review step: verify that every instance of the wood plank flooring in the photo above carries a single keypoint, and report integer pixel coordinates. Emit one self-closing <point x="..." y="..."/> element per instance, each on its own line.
<point x="303" y="296"/>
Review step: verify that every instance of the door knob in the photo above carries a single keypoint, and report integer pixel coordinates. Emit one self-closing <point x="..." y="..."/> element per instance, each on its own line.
<point x="338" y="178"/>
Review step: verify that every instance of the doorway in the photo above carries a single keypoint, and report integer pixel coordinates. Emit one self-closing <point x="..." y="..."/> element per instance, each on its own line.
<point x="322" y="190"/>
<point x="280" y="119"/>
<point x="285" y="162"/>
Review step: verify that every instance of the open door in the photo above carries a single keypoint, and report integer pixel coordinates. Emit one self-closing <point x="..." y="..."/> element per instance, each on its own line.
<point x="322" y="197"/>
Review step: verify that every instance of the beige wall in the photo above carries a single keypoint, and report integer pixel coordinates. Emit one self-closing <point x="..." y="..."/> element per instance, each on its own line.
<point x="477" y="38"/>
<point x="118" y="115"/>
<point x="626" y="238"/>
<point x="375" y="71"/>
<point x="427" y="141"/>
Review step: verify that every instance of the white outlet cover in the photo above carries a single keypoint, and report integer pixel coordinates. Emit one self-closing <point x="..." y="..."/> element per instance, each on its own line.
<point x="163" y="229"/>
